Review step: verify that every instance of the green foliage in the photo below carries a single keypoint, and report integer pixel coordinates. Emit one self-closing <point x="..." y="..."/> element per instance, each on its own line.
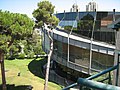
<point x="21" y="56"/>
<point x="86" y="23"/>
<point x="14" y="48"/>
<point x="43" y="53"/>
<point x="4" y="42"/>
<point x="30" y="55"/>
<point x="11" y="57"/>
<point x="69" y="28"/>
<point x="36" y="42"/>
<point x="43" y="14"/>
<point x="35" y="37"/>
<point x="13" y="26"/>
<point x="37" y="49"/>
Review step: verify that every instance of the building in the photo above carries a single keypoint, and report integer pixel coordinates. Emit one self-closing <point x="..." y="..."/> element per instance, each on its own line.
<point x="103" y="18"/>
<point x="69" y="18"/>
<point x="71" y="52"/>
<point x="91" y="7"/>
<point x="74" y="8"/>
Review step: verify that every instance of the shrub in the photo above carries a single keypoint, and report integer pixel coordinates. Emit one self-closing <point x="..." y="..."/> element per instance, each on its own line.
<point x="68" y="28"/>
<point x="30" y="55"/>
<point x="21" y="56"/>
<point x="43" y="53"/>
<point x="6" y="56"/>
<point x="37" y="49"/>
<point x="10" y="57"/>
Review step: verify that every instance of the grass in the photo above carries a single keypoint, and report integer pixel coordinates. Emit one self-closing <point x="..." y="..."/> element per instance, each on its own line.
<point x="30" y="74"/>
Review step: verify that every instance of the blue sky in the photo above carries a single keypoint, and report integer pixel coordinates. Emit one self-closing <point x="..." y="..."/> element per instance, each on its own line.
<point x="27" y="6"/>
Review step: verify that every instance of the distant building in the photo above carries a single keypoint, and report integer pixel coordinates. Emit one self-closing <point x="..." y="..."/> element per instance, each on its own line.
<point x="91" y="6"/>
<point x="74" y="8"/>
<point x="108" y="20"/>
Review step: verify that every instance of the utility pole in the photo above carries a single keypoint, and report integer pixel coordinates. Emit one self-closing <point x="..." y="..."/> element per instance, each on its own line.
<point x="3" y="71"/>
<point x="48" y="62"/>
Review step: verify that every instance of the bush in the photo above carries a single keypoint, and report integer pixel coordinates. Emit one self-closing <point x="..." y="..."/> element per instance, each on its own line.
<point x="21" y="56"/>
<point x="68" y="28"/>
<point x="7" y="56"/>
<point x="10" y="57"/>
<point x="37" y="49"/>
<point x="43" y="53"/>
<point x="30" y="55"/>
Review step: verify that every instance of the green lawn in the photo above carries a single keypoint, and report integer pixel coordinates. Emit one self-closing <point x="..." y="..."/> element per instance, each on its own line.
<point x="30" y="74"/>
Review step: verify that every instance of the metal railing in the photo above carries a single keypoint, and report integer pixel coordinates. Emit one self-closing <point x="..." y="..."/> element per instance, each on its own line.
<point x="89" y="83"/>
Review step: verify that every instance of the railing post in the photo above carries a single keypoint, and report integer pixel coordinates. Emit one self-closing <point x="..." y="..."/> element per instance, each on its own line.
<point x="90" y="64"/>
<point x="109" y="82"/>
<point x="117" y="73"/>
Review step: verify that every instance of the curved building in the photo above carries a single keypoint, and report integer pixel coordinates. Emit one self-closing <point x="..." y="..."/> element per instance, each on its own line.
<point x="71" y="52"/>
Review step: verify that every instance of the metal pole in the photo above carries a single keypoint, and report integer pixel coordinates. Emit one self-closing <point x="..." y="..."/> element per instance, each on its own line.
<point x="117" y="73"/>
<point x="70" y="86"/>
<point x="68" y="47"/>
<point x="91" y="43"/>
<point x="109" y="81"/>
<point x="69" y="36"/>
<point x="113" y="15"/>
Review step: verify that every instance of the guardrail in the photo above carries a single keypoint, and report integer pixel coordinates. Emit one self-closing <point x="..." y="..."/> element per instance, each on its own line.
<point x="90" y="84"/>
<point x="93" y="84"/>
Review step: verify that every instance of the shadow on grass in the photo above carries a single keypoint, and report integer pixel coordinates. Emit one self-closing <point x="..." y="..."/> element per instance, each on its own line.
<point x="35" y="67"/>
<point x="20" y="87"/>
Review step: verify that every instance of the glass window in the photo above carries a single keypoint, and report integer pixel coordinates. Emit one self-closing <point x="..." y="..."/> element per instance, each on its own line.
<point x="79" y="56"/>
<point x="101" y="61"/>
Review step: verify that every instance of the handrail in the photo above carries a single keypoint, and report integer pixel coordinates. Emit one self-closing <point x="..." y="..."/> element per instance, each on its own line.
<point x="103" y="72"/>
<point x="70" y="86"/>
<point x="96" y="85"/>
<point x="87" y="81"/>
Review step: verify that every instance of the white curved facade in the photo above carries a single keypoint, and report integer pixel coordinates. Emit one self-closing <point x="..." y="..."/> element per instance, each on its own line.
<point x="79" y="48"/>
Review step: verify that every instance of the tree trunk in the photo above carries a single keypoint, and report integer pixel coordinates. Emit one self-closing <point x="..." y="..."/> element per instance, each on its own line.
<point x="48" y="62"/>
<point x="3" y="71"/>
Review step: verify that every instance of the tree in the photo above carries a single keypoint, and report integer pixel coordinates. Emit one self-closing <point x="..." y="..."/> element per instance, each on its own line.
<point x="13" y="26"/>
<point x="36" y="42"/>
<point x="86" y="23"/>
<point x="44" y="14"/>
<point x="13" y="51"/>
